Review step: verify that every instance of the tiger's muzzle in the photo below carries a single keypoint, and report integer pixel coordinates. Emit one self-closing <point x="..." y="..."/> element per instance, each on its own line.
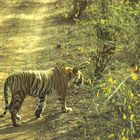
<point x="78" y="80"/>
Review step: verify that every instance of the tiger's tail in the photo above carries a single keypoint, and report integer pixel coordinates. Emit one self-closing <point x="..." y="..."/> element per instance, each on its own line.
<point x="5" y="98"/>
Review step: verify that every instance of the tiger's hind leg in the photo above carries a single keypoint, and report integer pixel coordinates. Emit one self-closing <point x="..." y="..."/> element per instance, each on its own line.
<point x="40" y="107"/>
<point x="15" y="105"/>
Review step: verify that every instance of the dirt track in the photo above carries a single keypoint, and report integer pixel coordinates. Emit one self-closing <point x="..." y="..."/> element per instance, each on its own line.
<point x="26" y="42"/>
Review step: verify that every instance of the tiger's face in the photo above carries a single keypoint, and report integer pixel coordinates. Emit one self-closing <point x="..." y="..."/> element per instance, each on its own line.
<point x="75" y="75"/>
<point x="78" y="80"/>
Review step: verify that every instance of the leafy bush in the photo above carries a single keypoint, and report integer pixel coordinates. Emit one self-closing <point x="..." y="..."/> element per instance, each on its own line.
<point x="124" y="105"/>
<point x="117" y="29"/>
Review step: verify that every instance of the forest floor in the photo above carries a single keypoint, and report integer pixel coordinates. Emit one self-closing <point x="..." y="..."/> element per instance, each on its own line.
<point x="29" y="34"/>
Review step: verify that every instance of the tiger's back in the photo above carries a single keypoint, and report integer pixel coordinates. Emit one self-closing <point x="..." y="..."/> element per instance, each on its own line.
<point x="30" y="82"/>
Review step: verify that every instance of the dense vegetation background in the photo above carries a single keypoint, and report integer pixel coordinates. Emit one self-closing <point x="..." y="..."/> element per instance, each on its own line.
<point x="36" y="34"/>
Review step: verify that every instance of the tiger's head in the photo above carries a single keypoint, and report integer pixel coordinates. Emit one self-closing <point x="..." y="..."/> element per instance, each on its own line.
<point x="75" y="75"/>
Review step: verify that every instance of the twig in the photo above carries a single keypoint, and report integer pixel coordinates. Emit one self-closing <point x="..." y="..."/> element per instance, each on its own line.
<point x="118" y="87"/>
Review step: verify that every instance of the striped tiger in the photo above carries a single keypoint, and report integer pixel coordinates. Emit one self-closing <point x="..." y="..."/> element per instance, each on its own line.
<point x="38" y="84"/>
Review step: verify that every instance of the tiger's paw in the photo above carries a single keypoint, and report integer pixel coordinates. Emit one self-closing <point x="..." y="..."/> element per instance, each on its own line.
<point x="18" y="117"/>
<point x="38" y="113"/>
<point x="16" y="125"/>
<point x="68" y="109"/>
<point x="38" y="116"/>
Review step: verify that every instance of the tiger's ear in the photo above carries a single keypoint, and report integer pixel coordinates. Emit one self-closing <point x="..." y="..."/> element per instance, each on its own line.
<point x="67" y="69"/>
<point x="75" y="69"/>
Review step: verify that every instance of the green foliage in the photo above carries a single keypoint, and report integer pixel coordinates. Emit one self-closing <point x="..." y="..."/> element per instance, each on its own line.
<point x="117" y="27"/>
<point x="124" y="105"/>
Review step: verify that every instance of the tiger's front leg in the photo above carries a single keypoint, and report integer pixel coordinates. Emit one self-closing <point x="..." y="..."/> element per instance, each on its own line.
<point x="40" y="107"/>
<point x="64" y="107"/>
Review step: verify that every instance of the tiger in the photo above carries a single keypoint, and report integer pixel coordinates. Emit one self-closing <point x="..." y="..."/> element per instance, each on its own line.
<point x="38" y="84"/>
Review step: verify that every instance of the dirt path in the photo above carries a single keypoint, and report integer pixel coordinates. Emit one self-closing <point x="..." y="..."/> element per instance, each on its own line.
<point x="25" y="33"/>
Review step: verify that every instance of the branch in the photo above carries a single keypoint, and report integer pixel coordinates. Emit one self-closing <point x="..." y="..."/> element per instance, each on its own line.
<point x="118" y="87"/>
